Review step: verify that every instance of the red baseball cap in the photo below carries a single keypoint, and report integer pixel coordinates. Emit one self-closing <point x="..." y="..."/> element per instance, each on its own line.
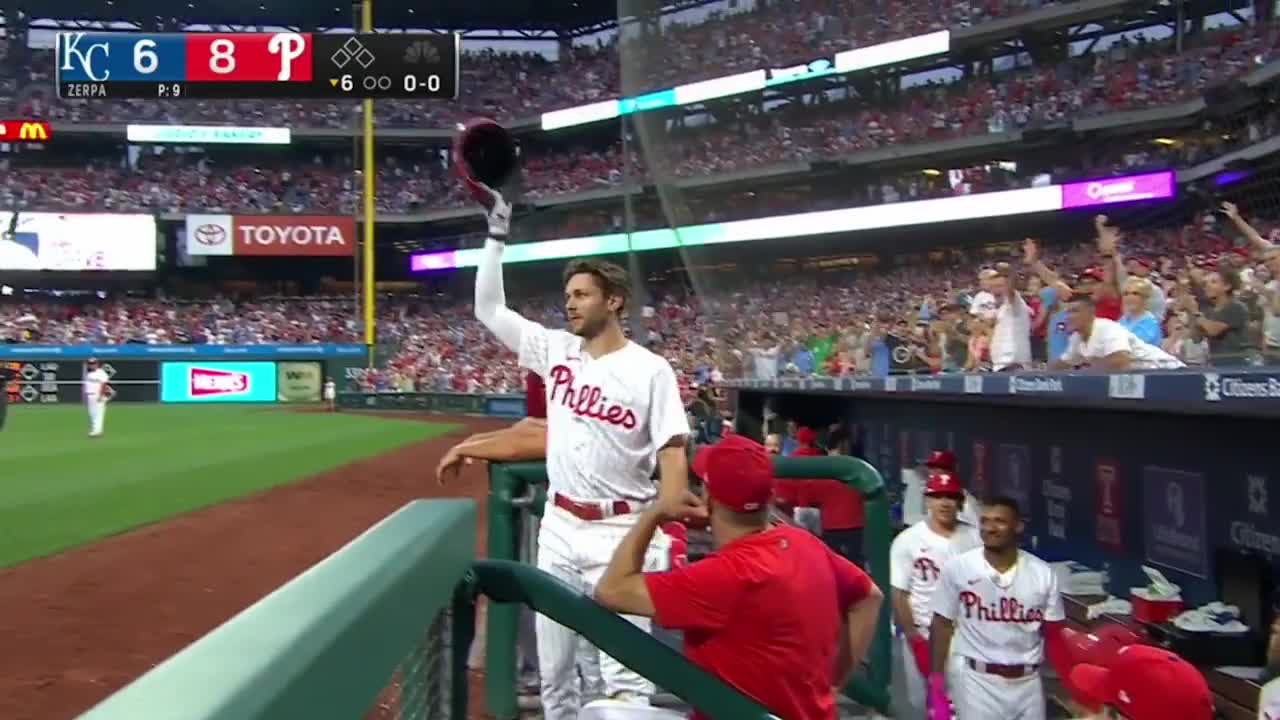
<point x="1146" y="683"/>
<point x="942" y="460"/>
<point x="1100" y="645"/>
<point x="738" y="473"/>
<point x="806" y="436"/>
<point x="944" y="483"/>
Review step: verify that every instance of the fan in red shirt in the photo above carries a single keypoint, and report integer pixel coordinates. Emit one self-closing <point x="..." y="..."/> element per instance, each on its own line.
<point x="841" y="507"/>
<point x="773" y="612"/>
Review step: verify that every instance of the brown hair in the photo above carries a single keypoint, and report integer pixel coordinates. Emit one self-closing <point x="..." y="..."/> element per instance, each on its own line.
<point x="612" y="280"/>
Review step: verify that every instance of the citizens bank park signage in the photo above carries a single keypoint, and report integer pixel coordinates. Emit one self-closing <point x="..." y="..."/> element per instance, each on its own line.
<point x="271" y="235"/>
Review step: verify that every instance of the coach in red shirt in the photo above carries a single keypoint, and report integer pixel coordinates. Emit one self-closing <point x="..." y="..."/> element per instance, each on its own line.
<point x="773" y="612"/>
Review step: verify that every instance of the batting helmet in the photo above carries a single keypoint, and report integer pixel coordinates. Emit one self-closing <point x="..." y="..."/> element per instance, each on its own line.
<point x="484" y="156"/>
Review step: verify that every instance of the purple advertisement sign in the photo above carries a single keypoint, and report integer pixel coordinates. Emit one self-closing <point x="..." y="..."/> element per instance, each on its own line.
<point x="434" y="261"/>
<point x="1152" y="186"/>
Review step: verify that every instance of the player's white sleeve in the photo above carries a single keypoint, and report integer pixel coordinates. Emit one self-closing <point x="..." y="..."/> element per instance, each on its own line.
<point x="1073" y="356"/>
<point x="946" y="598"/>
<point x="1053" y="610"/>
<point x="667" y="416"/>
<point x="526" y="338"/>
<point x="900" y="563"/>
<point x="1114" y="339"/>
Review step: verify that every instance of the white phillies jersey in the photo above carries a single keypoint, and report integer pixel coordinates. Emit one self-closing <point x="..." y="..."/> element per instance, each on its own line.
<point x="93" y="383"/>
<point x="998" y="616"/>
<point x="329" y="389"/>
<point x="607" y="417"/>
<point x="916" y="559"/>
<point x="1269" y="700"/>
<point x="1109" y="337"/>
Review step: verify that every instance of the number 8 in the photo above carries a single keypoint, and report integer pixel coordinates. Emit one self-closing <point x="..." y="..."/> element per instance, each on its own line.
<point x="222" y="59"/>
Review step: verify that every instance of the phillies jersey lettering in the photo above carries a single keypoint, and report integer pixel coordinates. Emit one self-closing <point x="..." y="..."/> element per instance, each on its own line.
<point x="607" y="417"/>
<point x="93" y="384"/>
<point x="1006" y="610"/>
<point x="587" y="400"/>
<point x="916" y="559"/>
<point x="998" y="616"/>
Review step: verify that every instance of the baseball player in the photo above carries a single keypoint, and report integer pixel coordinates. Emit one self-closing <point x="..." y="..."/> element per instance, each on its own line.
<point x="330" y="393"/>
<point x="97" y="392"/>
<point x="994" y="606"/>
<point x="613" y="414"/>
<point x="916" y="559"/>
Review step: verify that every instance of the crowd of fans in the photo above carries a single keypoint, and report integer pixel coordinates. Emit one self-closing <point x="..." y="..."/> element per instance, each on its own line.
<point x="723" y="42"/>
<point x="898" y="318"/>
<point x="1127" y="75"/>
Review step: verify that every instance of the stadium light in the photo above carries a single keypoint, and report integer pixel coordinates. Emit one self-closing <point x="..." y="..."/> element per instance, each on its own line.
<point x="1088" y="193"/>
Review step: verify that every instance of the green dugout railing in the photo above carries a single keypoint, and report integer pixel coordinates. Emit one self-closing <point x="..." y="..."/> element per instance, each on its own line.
<point x="518" y="491"/>
<point x="381" y="630"/>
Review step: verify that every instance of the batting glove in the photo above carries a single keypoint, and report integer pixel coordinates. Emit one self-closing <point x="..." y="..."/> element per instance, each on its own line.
<point x="920" y="651"/>
<point x="939" y="703"/>
<point x="497" y="211"/>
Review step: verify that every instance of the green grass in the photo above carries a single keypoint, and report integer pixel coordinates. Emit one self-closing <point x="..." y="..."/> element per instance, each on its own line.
<point x="60" y="489"/>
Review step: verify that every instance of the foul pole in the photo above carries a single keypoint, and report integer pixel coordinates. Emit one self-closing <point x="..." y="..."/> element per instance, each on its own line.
<point x="370" y="208"/>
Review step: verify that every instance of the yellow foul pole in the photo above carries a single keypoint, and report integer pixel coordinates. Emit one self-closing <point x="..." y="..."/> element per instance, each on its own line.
<point x="370" y="207"/>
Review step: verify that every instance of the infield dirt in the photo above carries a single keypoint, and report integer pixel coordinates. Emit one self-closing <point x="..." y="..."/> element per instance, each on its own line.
<point x="80" y="625"/>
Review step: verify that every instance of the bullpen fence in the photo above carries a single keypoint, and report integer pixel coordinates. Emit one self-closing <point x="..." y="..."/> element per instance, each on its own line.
<point x="382" y="629"/>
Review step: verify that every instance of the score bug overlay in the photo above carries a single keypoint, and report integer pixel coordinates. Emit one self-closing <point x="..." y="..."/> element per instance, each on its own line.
<point x="256" y="65"/>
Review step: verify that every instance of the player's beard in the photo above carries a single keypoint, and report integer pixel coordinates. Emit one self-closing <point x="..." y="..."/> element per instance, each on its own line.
<point x="591" y="326"/>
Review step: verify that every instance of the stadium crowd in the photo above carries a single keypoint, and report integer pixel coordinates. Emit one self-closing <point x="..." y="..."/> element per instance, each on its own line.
<point x="895" y="318"/>
<point x="1126" y="75"/>
<point x="722" y="42"/>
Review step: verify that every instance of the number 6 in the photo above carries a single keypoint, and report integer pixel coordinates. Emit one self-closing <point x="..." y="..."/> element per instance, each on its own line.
<point x="145" y="60"/>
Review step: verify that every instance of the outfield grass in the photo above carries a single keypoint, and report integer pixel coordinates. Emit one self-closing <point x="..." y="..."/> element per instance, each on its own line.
<point x="59" y="488"/>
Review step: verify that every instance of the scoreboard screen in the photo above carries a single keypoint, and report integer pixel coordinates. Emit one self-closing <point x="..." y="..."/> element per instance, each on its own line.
<point x="61" y="381"/>
<point x="229" y="66"/>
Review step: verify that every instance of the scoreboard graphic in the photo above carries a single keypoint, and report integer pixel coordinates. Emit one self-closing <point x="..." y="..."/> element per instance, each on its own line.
<point x="232" y="66"/>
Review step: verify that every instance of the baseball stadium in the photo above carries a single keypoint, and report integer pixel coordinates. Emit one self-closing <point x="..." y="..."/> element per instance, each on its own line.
<point x="639" y="360"/>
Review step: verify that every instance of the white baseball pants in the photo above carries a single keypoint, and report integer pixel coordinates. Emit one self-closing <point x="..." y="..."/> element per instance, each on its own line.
<point x="97" y="416"/>
<point x="577" y="552"/>
<point x="982" y="696"/>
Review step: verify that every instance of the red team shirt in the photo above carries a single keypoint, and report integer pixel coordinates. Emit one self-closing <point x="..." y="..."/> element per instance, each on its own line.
<point x="842" y="506"/>
<point x="765" y="580"/>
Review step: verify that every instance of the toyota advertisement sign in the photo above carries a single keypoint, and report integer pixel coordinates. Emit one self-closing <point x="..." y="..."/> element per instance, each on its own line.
<point x="271" y="235"/>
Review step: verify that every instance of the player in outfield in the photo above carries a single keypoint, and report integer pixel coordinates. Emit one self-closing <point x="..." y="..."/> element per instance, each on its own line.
<point x="614" y="415"/>
<point x="916" y="559"/>
<point x="995" y="607"/>
<point x="97" y="392"/>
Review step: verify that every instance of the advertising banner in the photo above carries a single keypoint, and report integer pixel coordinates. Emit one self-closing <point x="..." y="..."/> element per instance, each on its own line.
<point x="207" y="134"/>
<point x="271" y="235"/>
<point x="299" y="382"/>
<point x="77" y="242"/>
<point x="32" y="353"/>
<point x="1175" y="519"/>
<point x="218" y="382"/>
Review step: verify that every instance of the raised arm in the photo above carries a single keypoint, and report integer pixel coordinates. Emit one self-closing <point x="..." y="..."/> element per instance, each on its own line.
<point x="1255" y="238"/>
<point x="491" y="296"/>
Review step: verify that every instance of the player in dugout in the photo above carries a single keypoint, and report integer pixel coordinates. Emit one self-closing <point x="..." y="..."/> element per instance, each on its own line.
<point x="820" y="609"/>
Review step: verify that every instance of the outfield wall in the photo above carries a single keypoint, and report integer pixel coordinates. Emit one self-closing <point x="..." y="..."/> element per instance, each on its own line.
<point x="44" y="374"/>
